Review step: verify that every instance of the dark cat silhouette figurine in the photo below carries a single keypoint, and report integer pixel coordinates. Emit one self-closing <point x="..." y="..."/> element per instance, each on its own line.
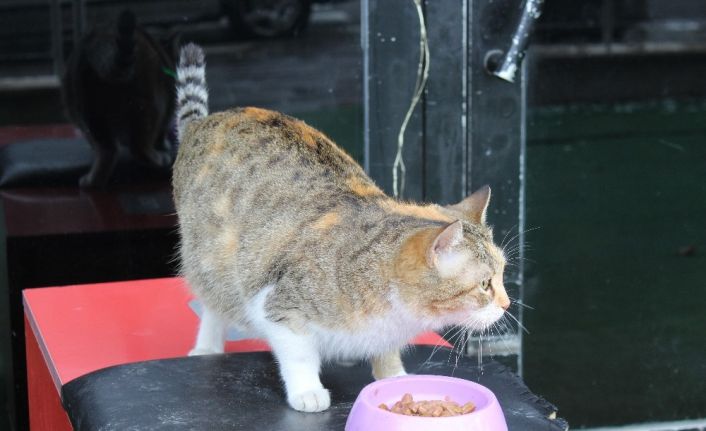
<point x="118" y="88"/>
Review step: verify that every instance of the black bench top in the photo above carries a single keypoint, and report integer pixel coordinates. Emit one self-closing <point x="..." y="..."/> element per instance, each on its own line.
<point x="243" y="391"/>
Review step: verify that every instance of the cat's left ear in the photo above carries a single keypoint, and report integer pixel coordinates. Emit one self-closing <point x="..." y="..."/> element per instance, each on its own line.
<point x="475" y="206"/>
<point x="441" y="248"/>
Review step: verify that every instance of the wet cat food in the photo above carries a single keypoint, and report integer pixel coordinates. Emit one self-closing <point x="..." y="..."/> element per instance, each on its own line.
<point x="428" y="408"/>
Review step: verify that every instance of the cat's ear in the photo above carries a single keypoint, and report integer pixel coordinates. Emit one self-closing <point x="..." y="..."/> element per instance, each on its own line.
<point x="441" y="248"/>
<point x="475" y="206"/>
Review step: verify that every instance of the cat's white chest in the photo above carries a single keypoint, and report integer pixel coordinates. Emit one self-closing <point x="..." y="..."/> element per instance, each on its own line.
<point x="377" y="335"/>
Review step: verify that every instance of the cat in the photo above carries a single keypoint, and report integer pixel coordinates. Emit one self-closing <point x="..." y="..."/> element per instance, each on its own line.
<point x="117" y="89"/>
<point x="283" y="233"/>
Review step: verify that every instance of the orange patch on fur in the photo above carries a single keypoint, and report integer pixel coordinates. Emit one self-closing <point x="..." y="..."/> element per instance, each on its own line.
<point x="411" y="265"/>
<point x="362" y="188"/>
<point x="258" y="113"/>
<point x="306" y="133"/>
<point x="429" y="212"/>
<point x="327" y="221"/>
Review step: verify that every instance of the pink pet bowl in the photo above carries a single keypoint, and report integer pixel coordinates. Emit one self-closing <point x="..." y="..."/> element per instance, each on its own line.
<point x="367" y="416"/>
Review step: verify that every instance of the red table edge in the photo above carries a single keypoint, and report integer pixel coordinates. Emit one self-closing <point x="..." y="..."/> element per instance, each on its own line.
<point x="42" y="346"/>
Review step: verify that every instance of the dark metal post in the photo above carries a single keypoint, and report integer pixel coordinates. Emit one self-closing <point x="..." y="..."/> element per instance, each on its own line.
<point x="390" y="40"/>
<point x="496" y="137"/>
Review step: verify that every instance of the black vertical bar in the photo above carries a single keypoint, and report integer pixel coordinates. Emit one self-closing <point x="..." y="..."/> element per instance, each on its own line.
<point x="495" y="118"/>
<point x="444" y="128"/>
<point x="391" y="61"/>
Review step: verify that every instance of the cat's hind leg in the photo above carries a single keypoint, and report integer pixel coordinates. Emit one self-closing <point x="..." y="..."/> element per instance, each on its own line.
<point x="388" y="365"/>
<point x="211" y="337"/>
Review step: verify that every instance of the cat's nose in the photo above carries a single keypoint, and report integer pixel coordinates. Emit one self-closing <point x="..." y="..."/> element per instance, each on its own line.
<point x="504" y="303"/>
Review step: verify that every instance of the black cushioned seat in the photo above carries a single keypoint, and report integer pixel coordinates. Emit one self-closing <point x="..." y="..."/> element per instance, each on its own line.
<point x="243" y="391"/>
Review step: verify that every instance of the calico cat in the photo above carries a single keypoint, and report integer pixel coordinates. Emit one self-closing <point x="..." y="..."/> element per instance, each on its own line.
<point x="116" y="91"/>
<point x="283" y="233"/>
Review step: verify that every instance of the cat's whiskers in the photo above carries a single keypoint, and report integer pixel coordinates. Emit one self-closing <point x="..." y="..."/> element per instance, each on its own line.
<point x="520" y="233"/>
<point x="519" y="303"/>
<point x="461" y="351"/>
<point x="452" y="351"/>
<point x="518" y="252"/>
<point x="438" y="344"/>
<point x="517" y="321"/>
<point x="474" y="324"/>
<point x="502" y="243"/>
<point x="504" y="322"/>
<point x="495" y="328"/>
<point x="471" y="323"/>
<point x="460" y="332"/>
<point x="506" y="244"/>
<point x="517" y="249"/>
<point x="516" y="260"/>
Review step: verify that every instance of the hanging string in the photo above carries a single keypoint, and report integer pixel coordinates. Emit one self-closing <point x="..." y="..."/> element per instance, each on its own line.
<point x="398" y="167"/>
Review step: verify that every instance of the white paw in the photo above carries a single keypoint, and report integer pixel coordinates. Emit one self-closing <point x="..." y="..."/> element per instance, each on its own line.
<point x="316" y="400"/>
<point x="200" y="351"/>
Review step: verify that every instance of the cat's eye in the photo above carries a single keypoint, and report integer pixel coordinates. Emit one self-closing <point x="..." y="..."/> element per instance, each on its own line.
<point x="485" y="285"/>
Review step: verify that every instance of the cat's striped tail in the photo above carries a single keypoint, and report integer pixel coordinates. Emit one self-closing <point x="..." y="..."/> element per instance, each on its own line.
<point x="192" y="94"/>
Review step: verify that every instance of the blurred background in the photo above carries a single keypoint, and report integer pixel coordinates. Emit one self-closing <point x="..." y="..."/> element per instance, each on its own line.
<point x="610" y="196"/>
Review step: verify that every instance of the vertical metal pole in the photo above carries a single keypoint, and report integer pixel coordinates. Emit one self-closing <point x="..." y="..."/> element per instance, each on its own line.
<point x="522" y="217"/>
<point x="365" y="47"/>
<point x="445" y="133"/>
<point x="496" y="138"/>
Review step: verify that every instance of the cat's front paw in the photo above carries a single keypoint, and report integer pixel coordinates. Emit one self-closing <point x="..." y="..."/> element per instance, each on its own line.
<point x="200" y="351"/>
<point x="316" y="400"/>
